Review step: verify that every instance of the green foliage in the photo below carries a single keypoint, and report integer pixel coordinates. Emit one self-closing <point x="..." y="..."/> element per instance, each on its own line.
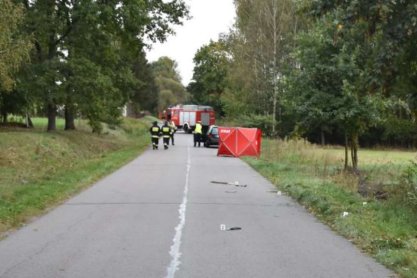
<point x="262" y="122"/>
<point x="400" y="131"/>
<point x="12" y="102"/>
<point x="347" y="68"/>
<point x="145" y="95"/>
<point x="94" y="92"/>
<point x="235" y="103"/>
<point x="166" y="67"/>
<point x="168" y="81"/>
<point x="89" y="58"/>
<point x="210" y="75"/>
<point x="14" y="50"/>
<point x="261" y="47"/>
<point x="14" y="45"/>
<point x="340" y="64"/>
<point x="313" y="92"/>
<point x="406" y="191"/>
<point x="240" y="96"/>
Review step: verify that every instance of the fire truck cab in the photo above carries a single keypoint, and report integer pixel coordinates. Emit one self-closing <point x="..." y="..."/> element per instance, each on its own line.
<point x="186" y="116"/>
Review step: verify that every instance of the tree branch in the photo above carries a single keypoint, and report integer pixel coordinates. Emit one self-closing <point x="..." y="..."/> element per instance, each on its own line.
<point x="70" y="26"/>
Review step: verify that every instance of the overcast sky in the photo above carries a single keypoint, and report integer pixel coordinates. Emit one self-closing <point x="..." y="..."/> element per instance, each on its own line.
<point x="209" y="19"/>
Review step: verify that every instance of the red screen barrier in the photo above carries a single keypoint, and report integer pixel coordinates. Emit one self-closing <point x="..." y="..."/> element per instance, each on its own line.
<point x="239" y="141"/>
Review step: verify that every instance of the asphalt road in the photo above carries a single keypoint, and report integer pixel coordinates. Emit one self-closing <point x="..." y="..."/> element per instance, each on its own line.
<point x="161" y="216"/>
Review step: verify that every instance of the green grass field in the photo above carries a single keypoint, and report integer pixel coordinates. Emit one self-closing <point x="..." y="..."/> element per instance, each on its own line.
<point x="40" y="169"/>
<point x="385" y="228"/>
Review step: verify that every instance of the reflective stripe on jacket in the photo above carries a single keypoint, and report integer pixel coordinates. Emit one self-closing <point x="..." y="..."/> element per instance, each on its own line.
<point x="155" y="131"/>
<point x="166" y="131"/>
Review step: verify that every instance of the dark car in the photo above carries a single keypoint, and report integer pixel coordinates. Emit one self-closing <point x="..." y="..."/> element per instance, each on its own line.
<point x="212" y="137"/>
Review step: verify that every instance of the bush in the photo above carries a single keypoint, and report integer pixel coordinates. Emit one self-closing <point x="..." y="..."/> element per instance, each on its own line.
<point x="407" y="189"/>
<point x="96" y="126"/>
<point x="257" y="121"/>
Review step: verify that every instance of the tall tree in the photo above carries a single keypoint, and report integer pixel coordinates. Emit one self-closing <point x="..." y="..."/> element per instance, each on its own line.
<point x="322" y="91"/>
<point x="168" y="81"/>
<point x="265" y="31"/>
<point x="210" y="75"/>
<point x="14" y="45"/>
<point x="105" y="37"/>
<point x="14" y="50"/>
<point x="349" y="81"/>
<point x="145" y="96"/>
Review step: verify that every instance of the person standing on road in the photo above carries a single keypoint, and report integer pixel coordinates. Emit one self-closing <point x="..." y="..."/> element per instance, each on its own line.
<point x="173" y="130"/>
<point x="166" y="134"/>
<point x="155" y="133"/>
<point x="198" y="132"/>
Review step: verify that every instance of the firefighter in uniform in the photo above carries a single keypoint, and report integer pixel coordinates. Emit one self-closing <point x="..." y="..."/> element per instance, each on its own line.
<point x="166" y="134"/>
<point x="198" y="132"/>
<point x="173" y="130"/>
<point x="155" y="132"/>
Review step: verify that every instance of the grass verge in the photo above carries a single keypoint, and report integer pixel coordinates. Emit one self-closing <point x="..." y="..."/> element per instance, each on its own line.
<point x="40" y="169"/>
<point x="386" y="229"/>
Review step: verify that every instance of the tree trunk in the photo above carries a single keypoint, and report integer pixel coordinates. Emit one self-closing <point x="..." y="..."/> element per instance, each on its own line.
<point x="354" y="151"/>
<point x="346" y="152"/>
<point x="69" y="116"/>
<point x="323" y="138"/>
<point x="51" y="117"/>
<point x="29" y="122"/>
<point x="275" y="75"/>
<point x="4" y="116"/>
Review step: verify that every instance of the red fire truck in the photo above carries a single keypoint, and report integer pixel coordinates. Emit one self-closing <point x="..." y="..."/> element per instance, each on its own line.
<point x="185" y="116"/>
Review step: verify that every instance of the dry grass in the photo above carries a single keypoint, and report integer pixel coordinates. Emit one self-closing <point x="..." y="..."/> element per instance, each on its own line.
<point x="313" y="175"/>
<point x="378" y="167"/>
<point x="334" y="154"/>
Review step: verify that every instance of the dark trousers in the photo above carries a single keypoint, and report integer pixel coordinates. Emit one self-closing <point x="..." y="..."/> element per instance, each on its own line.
<point x="197" y="139"/>
<point x="166" y="142"/>
<point x="172" y="139"/>
<point x="155" y="142"/>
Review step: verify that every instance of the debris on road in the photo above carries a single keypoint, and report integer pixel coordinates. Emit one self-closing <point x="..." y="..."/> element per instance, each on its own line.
<point x="224" y="228"/>
<point x="236" y="183"/>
